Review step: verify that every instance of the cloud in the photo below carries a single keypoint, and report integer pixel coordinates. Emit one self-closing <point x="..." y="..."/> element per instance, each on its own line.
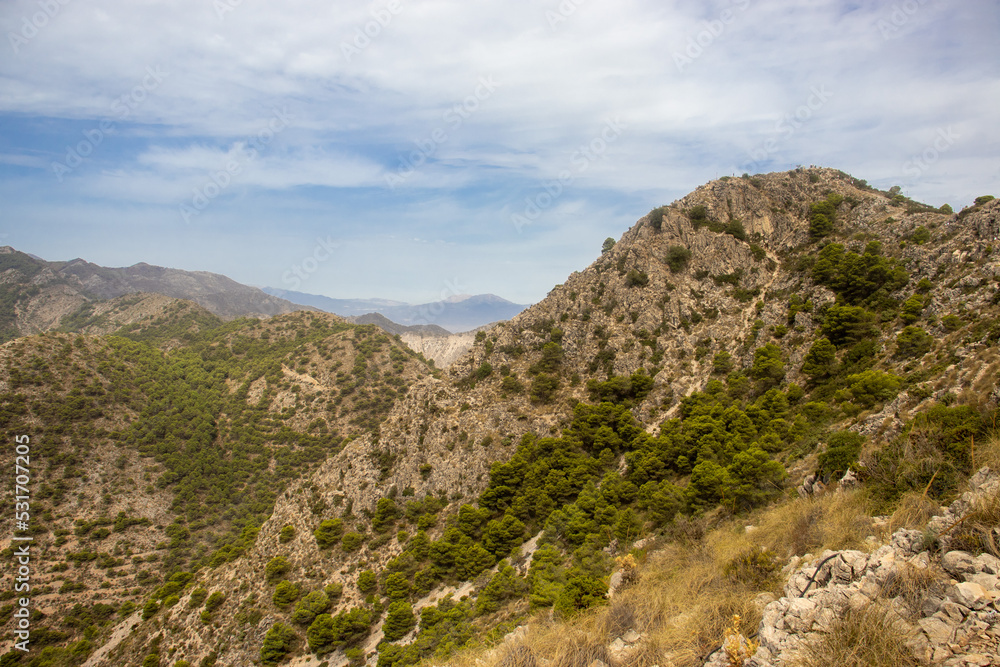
<point x="393" y="131"/>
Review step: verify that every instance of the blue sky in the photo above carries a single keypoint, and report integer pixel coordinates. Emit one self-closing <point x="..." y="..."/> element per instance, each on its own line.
<point x="415" y="150"/>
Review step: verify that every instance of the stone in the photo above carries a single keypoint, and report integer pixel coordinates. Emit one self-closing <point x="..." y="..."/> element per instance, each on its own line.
<point x="617" y="646"/>
<point x="801" y="612"/>
<point x="987" y="564"/>
<point x="990" y="582"/>
<point x="958" y="563"/>
<point x="955" y="614"/>
<point x="631" y="636"/>
<point x="971" y="595"/>
<point x="938" y="632"/>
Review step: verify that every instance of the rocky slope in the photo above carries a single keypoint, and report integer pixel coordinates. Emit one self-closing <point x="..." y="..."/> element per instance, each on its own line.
<point x="691" y="294"/>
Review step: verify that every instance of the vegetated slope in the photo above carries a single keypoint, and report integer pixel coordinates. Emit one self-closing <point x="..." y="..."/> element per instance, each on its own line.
<point x="147" y="462"/>
<point x="38" y="296"/>
<point x="697" y="368"/>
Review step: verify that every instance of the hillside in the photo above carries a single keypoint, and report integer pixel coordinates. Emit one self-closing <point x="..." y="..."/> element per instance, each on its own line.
<point x="732" y="347"/>
<point x="38" y="296"/>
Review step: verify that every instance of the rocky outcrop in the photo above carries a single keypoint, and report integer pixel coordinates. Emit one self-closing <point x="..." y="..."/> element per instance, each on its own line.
<point x="945" y="603"/>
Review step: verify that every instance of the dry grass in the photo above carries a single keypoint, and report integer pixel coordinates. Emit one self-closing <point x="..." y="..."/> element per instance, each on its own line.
<point x="689" y="590"/>
<point x="913" y="511"/>
<point x="987" y="452"/>
<point x="978" y="530"/>
<point x="869" y="637"/>
<point x="915" y="584"/>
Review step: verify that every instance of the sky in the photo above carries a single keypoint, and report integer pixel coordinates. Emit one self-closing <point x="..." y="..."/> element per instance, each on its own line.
<point x="421" y="149"/>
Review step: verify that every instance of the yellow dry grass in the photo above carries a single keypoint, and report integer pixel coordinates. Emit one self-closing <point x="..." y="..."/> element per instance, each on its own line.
<point x="685" y="600"/>
<point x="869" y="637"/>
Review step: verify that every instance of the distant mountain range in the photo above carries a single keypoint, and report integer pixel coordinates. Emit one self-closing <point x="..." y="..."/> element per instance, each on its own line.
<point x="456" y="314"/>
<point x="37" y="296"/>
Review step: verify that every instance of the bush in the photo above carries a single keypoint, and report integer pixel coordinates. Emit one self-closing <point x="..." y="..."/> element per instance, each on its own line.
<point x="329" y="533"/>
<point x="913" y="342"/>
<point x="285" y="593"/>
<point x="951" y="322"/>
<point x="821" y="358"/>
<point x="842" y="450"/>
<point x="399" y="621"/>
<point x="277" y="643"/>
<point x="768" y="367"/>
<point x="352" y="541"/>
<point x="677" y="258"/>
<point x="150" y="609"/>
<point x="844" y="325"/>
<point x="912" y="308"/>
<point x="511" y="385"/>
<point x="276" y="567"/>
<point x="309" y="607"/>
<point x="755" y="568"/>
<point x="698" y="215"/>
<point x="608" y="244"/>
<point x="287" y="534"/>
<point x="198" y="596"/>
<point x="722" y="363"/>
<point x="636" y="278"/>
<point x="367" y="581"/>
<point x="871" y="387"/>
<point x="656" y="217"/>
<point x="580" y="592"/>
<point x="214" y="601"/>
<point x="544" y="388"/>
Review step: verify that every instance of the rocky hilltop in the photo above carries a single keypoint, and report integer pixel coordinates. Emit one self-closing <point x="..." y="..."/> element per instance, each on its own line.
<point x="40" y="295"/>
<point x="759" y="335"/>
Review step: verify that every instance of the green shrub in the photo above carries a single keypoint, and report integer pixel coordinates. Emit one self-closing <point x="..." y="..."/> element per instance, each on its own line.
<point x="844" y="325"/>
<point x="278" y="643"/>
<point x="920" y="235"/>
<point x="913" y="342"/>
<point x="198" y="596"/>
<point x="871" y="387"/>
<point x="367" y="581"/>
<point x="698" y="215"/>
<point x="287" y="534"/>
<point x="755" y="568"/>
<point x="656" y="217"/>
<point x="399" y="621"/>
<point x="214" y="601"/>
<point x="580" y="592"/>
<point x="912" y="308"/>
<point x="951" y="322"/>
<point x="352" y="541"/>
<point x="636" y="278"/>
<point x="842" y="450"/>
<point x="285" y="593"/>
<point x="309" y="607"/>
<point x="768" y="368"/>
<point x="385" y="515"/>
<point x="511" y="385"/>
<point x="329" y="533"/>
<point x="820" y="359"/>
<point x="276" y="567"/>
<point x="608" y="244"/>
<point x="722" y="363"/>
<point x="150" y="609"/>
<point x="677" y="258"/>
<point x="544" y="388"/>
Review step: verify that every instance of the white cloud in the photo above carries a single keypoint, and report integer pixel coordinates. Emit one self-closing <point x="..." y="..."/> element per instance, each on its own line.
<point x="359" y="107"/>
